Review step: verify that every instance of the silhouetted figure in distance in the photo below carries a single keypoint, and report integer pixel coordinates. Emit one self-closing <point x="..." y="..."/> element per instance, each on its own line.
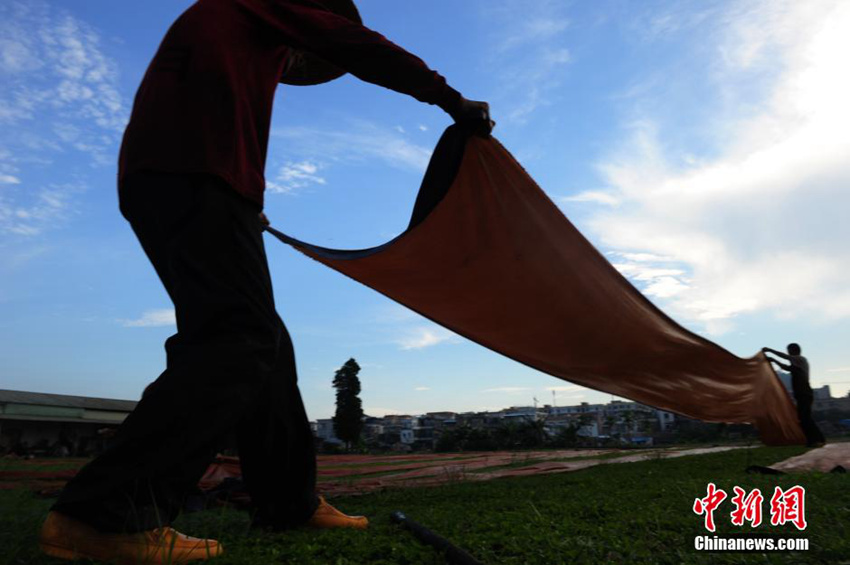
<point x="798" y="366"/>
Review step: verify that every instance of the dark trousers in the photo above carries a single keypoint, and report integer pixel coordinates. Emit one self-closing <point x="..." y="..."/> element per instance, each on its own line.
<point x="804" y="413"/>
<point x="230" y="368"/>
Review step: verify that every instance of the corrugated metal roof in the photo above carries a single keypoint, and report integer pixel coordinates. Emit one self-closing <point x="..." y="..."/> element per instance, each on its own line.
<point x="45" y="419"/>
<point x="44" y="399"/>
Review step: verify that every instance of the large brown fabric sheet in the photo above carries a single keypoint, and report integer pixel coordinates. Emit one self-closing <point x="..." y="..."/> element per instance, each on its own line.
<point x="490" y="257"/>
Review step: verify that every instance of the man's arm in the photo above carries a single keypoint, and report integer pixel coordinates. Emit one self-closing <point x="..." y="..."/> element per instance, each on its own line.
<point x="775" y="352"/>
<point x="782" y="366"/>
<point x="368" y="55"/>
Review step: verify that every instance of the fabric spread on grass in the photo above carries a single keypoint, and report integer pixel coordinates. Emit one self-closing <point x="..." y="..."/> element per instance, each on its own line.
<point x="490" y="257"/>
<point x="360" y="474"/>
<point x="825" y="459"/>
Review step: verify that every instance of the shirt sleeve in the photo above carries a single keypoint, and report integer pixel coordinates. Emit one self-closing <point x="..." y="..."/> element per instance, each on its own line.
<point x="368" y="55"/>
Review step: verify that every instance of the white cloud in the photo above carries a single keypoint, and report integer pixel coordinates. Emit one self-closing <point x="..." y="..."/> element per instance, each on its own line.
<point x="653" y="280"/>
<point x="665" y="287"/>
<point x="640" y="272"/>
<point x="422" y="388"/>
<point x="423" y="127"/>
<point x="643" y="257"/>
<point x="595" y="196"/>
<point x="292" y="176"/>
<point x="153" y="319"/>
<point x="839" y="370"/>
<point x="54" y="65"/>
<point x="60" y="95"/>
<point x="425" y="336"/>
<point x="407" y="329"/>
<point x="757" y="223"/>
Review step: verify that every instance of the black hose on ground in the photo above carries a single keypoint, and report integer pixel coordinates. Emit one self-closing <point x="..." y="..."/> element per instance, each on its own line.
<point x="454" y="554"/>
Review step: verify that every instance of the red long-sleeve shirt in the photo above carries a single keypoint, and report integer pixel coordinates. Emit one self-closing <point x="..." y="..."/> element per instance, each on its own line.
<point x="205" y="102"/>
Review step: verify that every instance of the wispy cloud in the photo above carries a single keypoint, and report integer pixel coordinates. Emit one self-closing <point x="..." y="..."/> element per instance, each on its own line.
<point x="672" y="20"/>
<point x="355" y="141"/>
<point x="60" y="96"/>
<point x="756" y="222"/>
<point x="529" y="55"/>
<point x="152" y="319"/>
<point x="422" y="388"/>
<point x="31" y="213"/>
<point x="839" y="370"/>
<point x="54" y="64"/>
<point x="542" y="22"/>
<point x="407" y="329"/>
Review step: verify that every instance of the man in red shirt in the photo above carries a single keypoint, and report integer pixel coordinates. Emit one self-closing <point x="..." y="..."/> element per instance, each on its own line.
<point x="191" y="185"/>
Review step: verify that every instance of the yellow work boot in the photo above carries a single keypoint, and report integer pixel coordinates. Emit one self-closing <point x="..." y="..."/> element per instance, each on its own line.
<point x="326" y="516"/>
<point x="66" y="538"/>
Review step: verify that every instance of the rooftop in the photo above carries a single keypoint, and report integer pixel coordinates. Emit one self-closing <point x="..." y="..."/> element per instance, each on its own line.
<point x="65" y="401"/>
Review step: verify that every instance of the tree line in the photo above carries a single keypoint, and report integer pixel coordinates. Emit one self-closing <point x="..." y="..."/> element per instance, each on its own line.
<point x="508" y="435"/>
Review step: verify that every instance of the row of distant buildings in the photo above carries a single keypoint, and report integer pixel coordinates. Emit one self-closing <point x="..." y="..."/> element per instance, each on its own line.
<point x="61" y="425"/>
<point x="628" y="422"/>
<point x="408" y="432"/>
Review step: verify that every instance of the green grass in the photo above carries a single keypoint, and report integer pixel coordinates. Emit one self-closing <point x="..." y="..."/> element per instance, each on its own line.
<point x="618" y="513"/>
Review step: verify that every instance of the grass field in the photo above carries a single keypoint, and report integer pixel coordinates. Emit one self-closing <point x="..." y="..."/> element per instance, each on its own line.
<point x="619" y="513"/>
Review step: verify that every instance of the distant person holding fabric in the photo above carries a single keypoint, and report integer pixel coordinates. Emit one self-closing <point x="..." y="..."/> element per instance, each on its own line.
<point x="191" y="183"/>
<point x="798" y="366"/>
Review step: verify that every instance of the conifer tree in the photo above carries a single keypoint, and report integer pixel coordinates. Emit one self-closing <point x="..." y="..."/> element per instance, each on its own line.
<point x="348" y="420"/>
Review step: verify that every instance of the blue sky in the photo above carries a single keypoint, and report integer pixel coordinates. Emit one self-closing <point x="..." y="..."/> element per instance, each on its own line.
<point x="701" y="145"/>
